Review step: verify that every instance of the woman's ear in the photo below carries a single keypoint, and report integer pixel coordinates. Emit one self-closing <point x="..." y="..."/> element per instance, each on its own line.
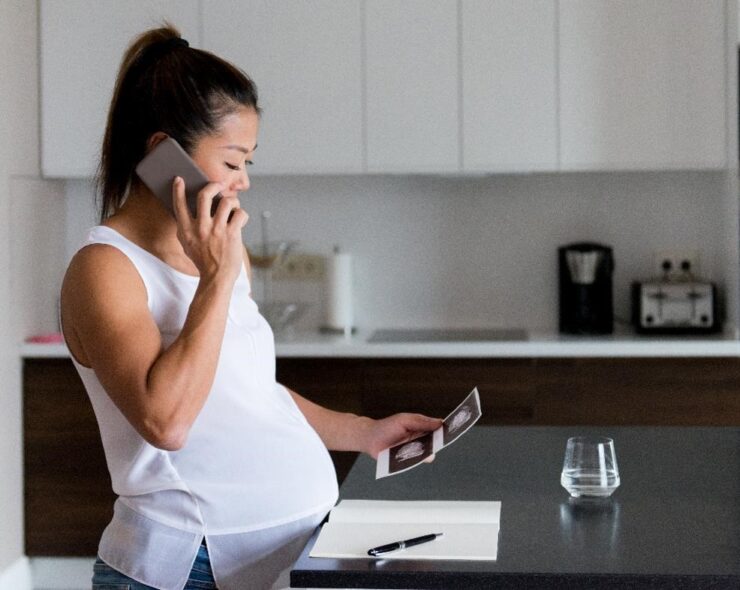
<point x="154" y="139"/>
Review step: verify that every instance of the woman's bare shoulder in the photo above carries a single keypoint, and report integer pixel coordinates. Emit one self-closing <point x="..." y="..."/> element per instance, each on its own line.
<point x="100" y="288"/>
<point x="96" y="265"/>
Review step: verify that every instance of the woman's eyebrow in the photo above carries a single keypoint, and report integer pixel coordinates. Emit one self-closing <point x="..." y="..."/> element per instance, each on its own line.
<point x="240" y="148"/>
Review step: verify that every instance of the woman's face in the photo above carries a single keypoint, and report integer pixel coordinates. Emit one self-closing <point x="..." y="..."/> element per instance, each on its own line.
<point x="224" y="156"/>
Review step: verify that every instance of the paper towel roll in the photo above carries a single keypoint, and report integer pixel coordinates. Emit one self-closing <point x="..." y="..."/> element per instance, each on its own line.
<point x="339" y="292"/>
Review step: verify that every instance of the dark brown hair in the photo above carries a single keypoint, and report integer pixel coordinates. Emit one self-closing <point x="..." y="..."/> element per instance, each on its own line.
<point x="164" y="85"/>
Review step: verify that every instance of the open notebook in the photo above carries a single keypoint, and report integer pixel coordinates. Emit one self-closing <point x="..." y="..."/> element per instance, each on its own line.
<point x="470" y="529"/>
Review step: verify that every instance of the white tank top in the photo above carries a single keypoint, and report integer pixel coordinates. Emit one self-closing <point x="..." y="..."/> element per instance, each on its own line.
<point x="251" y="460"/>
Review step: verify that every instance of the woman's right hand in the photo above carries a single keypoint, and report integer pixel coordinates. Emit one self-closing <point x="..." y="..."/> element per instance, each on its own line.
<point x="214" y="244"/>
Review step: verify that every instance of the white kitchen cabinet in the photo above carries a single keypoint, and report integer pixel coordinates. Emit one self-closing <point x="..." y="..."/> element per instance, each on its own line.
<point x="82" y="43"/>
<point x="642" y="84"/>
<point x="305" y="58"/>
<point x="411" y="86"/>
<point x="509" y="85"/>
<point x="421" y="86"/>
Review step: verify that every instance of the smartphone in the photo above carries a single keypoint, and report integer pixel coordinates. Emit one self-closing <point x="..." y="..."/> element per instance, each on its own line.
<point x="159" y="168"/>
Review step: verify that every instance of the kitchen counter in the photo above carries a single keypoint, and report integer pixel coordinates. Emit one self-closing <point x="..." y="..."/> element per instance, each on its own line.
<point x="673" y="522"/>
<point x="537" y="345"/>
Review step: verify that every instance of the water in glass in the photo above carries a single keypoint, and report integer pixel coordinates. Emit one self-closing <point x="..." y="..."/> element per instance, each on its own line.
<point x="590" y="467"/>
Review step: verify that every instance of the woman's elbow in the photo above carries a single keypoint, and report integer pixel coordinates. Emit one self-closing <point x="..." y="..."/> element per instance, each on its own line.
<point x="170" y="443"/>
<point x="168" y="437"/>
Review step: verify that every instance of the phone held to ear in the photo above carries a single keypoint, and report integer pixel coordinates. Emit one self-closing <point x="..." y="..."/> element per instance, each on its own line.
<point x="161" y="165"/>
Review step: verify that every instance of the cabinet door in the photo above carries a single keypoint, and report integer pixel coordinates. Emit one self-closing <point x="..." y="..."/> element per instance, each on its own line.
<point x="306" y="61"/>
<point x="509" y="85"/>
<point x="82" y="43"/>
<point x="67" y="488"/>
<point x="642" y="84"/>
<point x="412" y="86"/>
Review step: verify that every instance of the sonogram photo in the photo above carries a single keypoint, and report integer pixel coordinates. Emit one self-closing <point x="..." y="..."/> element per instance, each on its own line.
<point x="410" y="453"/>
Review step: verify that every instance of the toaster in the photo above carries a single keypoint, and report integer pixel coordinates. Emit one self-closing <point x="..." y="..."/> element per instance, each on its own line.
<point x="675" y="307"/>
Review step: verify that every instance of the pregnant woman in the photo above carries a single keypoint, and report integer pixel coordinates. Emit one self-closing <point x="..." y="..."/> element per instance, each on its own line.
<point x="221" y="473"/>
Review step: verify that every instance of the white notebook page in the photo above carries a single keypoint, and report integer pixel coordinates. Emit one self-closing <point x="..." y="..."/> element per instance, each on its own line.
<point x="470" y="529"/>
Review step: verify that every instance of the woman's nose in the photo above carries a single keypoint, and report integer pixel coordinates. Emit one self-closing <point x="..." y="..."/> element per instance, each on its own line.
<point x="242" y="182"/>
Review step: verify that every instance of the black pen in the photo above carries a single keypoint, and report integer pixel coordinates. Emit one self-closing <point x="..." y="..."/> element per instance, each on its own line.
<point x="403" y="544"/>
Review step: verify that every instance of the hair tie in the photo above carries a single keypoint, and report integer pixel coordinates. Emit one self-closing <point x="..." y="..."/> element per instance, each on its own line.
<point x="176" y="42"/>
<point x="162" y="48"/>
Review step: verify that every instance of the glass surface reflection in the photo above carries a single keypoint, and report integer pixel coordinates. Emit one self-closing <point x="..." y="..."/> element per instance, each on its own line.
<point x="592" y="523"/>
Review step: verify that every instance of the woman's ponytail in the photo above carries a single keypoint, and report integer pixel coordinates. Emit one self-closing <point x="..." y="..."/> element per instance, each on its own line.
<point x="164" y="85"/>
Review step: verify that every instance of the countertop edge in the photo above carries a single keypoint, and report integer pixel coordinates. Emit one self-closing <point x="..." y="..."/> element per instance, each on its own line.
<point x="307" y="578"/>
<point x="545" y="347"/>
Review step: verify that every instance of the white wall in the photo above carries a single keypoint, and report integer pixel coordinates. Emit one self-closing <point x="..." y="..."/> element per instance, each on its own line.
<point x="32" y="226"/>
<point x="436" y="251"/>
<point x="18" y="155"/>
<point x="463" y="252"/>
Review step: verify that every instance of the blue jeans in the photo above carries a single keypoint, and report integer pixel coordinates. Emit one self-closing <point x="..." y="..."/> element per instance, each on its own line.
<point x="200" y="578"/>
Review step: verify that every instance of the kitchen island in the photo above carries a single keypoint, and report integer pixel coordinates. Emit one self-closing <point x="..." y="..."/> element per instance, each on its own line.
<point x="673" y="523"/>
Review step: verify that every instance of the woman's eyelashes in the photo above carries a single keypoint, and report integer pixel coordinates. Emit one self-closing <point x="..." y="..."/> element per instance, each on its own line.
<point x="235" y="167"/>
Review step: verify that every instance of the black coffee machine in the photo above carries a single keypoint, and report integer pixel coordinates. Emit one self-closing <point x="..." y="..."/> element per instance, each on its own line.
<point x="585" y="271"/>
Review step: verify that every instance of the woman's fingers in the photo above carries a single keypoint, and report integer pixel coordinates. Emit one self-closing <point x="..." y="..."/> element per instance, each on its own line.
<point x="226" y="206"/>
<point x="421" y="423"/>
<point x="205" y="199"/>
<point x="214" y="244"/>
<point x="179" y="202"/>
<point x="239" y="218"/>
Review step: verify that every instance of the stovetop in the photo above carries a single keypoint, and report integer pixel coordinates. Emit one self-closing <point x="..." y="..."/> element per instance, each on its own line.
<point x="403" y="335"/>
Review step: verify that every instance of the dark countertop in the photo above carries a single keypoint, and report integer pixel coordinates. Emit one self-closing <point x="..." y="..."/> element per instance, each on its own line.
<point x="673" y="523"/>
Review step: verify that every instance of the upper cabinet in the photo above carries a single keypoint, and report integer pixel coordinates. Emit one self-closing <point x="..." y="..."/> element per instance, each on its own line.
<point x="423" y="86"/>
<point x="411" y="87"/>
<point x="509" y="85"/>
<point x="642" y="84"/>
<point x="305" y="58"/>
<point x="82" y="43"/>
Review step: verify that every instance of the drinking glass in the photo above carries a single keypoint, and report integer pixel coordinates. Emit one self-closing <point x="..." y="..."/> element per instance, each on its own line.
<point x="590" y="467"/>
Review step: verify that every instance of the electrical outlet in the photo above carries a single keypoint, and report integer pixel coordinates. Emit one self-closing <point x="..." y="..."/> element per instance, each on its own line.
<point x="300" y="266"/>
<point x="679" y="264"/>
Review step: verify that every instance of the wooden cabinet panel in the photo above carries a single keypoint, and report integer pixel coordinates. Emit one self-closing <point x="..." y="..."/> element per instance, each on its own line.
<point x="436" y="387"/>
<point x="67" y="489"/>
<point x="334" y="383"/>
<point x="679" y="392"/>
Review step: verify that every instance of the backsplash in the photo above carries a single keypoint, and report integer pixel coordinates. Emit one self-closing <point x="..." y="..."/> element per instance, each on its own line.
<point x="463" y="252"/>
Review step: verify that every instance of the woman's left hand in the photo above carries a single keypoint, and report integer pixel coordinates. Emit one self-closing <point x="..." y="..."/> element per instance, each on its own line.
<point x="377" y="435"/>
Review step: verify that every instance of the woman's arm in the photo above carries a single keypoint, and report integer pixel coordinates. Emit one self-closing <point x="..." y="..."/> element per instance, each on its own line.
<point x="105" y="312"/>
<point x="104" y="309"/>
<point x="342" y="431"/>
